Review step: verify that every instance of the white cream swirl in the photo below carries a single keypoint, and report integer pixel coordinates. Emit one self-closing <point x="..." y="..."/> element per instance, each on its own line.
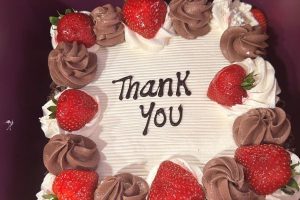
<point x="279" y="194"/>
<point x="228" y="13"/>
<point x="50" y="126"/>
<point x="161" y="39"/>
<point x="264" y="94"/>
<point x="46" y="187"/>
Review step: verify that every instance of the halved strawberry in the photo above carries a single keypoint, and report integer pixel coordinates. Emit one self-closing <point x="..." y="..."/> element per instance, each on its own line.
<point x="74" y="108"/>
<point x="174" y="182"/>
<point x="229" y="85"/>
<point x="74" y="185"/>
<point x="260" y="17"/>
<point x="145" y="16"/>
<point x="267" y="167"/>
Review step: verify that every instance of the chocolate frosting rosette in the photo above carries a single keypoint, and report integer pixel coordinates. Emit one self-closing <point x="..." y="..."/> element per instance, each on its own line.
<point x="224" y="179"/>
<point x="241" y="42"/>
<point x="69" y="151"/>
<point x="190" y="18"/>
<point x="262" y="125"/>
<point x="71" y="65"/>
<point x="122" y="187"/>
<point x="108" y="27"/>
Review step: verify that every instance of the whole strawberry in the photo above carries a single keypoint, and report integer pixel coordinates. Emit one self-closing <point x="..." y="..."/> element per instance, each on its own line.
<point x="75" y="185"/>
<point x="76" y="27"/>
<point x="174" y="182"/>
<point x="74" y="108"/>
<point x="229" y="85"/>
<point x="260" y="18"/>
<point x="267" y="167"/>
<point x="145" y="16"/>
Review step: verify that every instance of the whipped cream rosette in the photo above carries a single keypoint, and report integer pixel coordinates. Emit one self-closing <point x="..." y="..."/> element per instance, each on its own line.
<point x="241" y="42"/>
<point x="190" y="19"/>
<point x="262" y="125"/>
<point x="71" y="65"/>
<point x="69" y="151"/>
<point x="227" y="13"/>
<point x="223" y="178"/>
<point x="46" y="187"/>
<point x="265" y="92"/>
<point x="122" y="186"/>
<point x="108" y="27"/>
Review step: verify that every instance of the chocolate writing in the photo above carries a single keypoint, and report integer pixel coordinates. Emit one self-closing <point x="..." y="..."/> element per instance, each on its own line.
<point x="134" y="89"/>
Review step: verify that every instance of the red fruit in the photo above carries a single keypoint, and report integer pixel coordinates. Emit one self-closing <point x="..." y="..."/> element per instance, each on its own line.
<point x="75" y="185"/>
<point x="74" y="109"/>
<point x="229" y="85"/>
<point x="76" y="27"/>
<point x="145" y="16"/>
<point x="267" y="167"/>
<point x="260" y="17"/>
<point x="174" y="182"/>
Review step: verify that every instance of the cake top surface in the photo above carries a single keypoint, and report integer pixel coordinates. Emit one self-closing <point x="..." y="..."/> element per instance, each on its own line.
<point x="164" y="92"/>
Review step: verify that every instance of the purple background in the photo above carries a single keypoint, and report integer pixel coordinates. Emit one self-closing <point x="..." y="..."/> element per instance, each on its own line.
<point x="24" y="80"/>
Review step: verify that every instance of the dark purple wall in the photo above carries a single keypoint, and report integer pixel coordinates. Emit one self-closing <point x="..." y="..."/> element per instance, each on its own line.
<point x="24" y="80"/>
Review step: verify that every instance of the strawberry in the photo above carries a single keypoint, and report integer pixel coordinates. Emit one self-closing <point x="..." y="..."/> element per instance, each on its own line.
<point x="267" y="167"/>
<point x="74" y="108"/>
<point x="145" y="16"/>
<point x="75" y="184"/>
<point x="74" y="27"/>
<point x="229" y="85"/>
<point x="174" y="182"/>
<point x="260" y="18"/>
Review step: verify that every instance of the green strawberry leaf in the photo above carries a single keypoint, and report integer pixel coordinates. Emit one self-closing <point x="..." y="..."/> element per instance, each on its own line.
<point x="293" y="184"/>
<point x="288" y="191"/>
<point x="52" y="116"/>
<point x="53" y="20"/>
<point x="69" y="10"/>
<point x="54" y="100"/>
<point x="249" y="81"/>
<point x="295" y="165"/>
<point x="52" y="108"/>
<point x="50" y="197"/>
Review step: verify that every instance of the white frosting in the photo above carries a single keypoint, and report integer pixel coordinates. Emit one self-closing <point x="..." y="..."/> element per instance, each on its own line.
<point x="195" y="170"/>
<point x="50" y="126"/>
<point x="46" y="187"/>
<point x="279" y="194"/>
<point x="264" y="94"/>
<point x="228" y="13"/>
<point x="161" y="39"/>
<point x="205" y="130"/>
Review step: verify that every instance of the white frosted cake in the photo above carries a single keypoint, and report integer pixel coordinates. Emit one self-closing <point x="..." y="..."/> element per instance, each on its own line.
<point x="152" y="93"/>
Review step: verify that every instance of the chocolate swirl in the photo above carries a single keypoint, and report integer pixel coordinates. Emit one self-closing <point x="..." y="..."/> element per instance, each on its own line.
<point x="122" y="187"/>
<point x="261" y="125"/>
<point x="224" y="179"/>
<point x="70" y="64"/>
<point x="238" y="43"/>
<point x="69" y="151"/>
<point x="190" y="18"/>
<point x="108" y="25"/>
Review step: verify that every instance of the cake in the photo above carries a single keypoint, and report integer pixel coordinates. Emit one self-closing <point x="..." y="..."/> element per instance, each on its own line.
<point x="154" y="97"/>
